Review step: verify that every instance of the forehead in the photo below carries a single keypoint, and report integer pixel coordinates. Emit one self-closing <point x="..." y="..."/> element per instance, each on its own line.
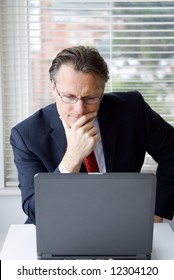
<point x="68" y="75"/>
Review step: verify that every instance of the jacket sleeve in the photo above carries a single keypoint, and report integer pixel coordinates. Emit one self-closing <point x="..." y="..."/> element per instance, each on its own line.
<point x="160" y="145"/>
<point x="28" y="164"/>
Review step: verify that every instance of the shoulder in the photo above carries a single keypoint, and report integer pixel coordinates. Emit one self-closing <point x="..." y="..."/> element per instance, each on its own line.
<point x="120" y="101"/>
<point x="39" y="123"/>
<point x="122" y="97"/>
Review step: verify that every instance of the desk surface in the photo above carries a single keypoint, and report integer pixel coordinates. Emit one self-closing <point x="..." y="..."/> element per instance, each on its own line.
<point x="20" y="243"/>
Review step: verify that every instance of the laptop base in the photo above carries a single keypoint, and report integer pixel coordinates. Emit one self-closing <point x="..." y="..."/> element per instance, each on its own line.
<point x="52" y="257"/>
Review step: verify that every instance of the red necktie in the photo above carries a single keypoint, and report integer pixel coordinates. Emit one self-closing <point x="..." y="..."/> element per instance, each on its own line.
<point x="91" y="163"/>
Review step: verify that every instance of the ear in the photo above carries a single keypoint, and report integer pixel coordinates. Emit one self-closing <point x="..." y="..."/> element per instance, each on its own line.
<point x="53" y="89"/>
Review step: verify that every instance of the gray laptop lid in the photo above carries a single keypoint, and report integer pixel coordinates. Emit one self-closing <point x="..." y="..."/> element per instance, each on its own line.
<point x="94" y="215"/>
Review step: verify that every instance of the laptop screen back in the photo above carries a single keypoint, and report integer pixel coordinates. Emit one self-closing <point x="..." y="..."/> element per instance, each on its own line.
<point x="94" y="215"/>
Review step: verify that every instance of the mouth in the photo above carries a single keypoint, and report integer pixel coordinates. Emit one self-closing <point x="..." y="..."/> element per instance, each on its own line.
<point x="72" y="119"/>
<point x="76" y="117"/>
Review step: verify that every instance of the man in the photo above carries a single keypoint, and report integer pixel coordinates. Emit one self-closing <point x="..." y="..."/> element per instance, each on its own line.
<point x="118" y="127"/>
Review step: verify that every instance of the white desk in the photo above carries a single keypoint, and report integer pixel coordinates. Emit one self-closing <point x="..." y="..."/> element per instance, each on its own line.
<point x="20" y="243"/>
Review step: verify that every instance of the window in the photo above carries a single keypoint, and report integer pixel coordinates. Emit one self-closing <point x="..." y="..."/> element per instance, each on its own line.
<point x="136" y="39"/>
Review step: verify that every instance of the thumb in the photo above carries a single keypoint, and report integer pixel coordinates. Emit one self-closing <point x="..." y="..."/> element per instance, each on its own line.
<point x="65" y="125"/>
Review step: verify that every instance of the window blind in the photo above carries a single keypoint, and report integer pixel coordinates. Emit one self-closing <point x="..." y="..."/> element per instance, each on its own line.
<point x="136" y="38"/>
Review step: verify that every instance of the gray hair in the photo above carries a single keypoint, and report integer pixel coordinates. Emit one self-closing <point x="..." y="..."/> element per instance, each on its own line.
<point x="84" y="59"/>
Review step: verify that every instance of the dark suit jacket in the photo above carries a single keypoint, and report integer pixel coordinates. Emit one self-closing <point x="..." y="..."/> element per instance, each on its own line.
<point x="129" y="128"/>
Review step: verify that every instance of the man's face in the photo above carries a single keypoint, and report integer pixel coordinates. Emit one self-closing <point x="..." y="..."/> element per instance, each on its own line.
<point x="70" y="82"/>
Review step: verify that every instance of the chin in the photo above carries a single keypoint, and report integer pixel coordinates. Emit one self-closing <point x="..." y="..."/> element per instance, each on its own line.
<point x="70" y="123"/>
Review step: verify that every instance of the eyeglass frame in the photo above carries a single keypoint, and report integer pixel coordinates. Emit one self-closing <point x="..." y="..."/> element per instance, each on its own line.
<point x="77" y="98"/>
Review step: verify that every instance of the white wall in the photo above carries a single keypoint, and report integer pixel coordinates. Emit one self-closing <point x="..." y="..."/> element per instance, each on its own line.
<point x="171" y="223"/>
<point x="10" y="213"/>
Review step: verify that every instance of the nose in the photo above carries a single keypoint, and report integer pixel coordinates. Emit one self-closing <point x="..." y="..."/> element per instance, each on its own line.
<point x="80" y="107"/>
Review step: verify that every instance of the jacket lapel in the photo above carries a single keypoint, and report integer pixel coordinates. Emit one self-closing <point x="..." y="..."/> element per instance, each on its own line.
<point x="108" y="130"/>
<point x="58" y="132"/>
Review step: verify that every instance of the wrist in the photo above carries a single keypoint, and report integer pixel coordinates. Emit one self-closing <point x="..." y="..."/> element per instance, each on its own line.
<point x="71" y="164"/>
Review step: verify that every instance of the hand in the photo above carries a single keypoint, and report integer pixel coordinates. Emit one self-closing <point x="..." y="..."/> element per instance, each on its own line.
<point x="158" y="219"/>
<point x="81" y="140"/>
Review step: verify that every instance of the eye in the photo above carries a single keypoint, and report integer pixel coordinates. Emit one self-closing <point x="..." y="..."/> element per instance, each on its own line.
<point x="70" y="97"/>
<point x="90" y="98"/>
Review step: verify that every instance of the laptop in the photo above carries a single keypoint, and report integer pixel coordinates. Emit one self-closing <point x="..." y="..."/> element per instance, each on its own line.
<point x="94" y="216"/>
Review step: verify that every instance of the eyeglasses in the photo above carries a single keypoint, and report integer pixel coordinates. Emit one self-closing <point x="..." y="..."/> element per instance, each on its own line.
<point x="71" y="99"/>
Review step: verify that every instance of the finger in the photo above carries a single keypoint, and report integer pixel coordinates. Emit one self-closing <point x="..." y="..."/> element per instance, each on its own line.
<point x="87" y="127"/>
<point x="84" y="119"/>
<point x="92" y="141"/>
<point x="90" y="130"/>
<point x="93" y="131"/>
